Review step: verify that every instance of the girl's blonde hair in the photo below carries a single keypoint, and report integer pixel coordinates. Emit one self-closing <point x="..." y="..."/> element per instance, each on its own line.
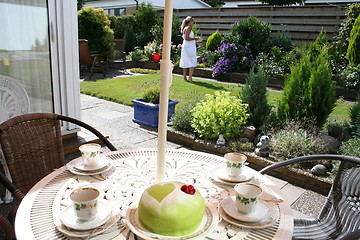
<point x="185" y="22"/>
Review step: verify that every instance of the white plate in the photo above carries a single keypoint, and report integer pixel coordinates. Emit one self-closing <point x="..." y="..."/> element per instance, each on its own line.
<point x="102" y="163"/>
<point x="71" y="167"/>
<point x="208" y="224"/>
<point x="219" y="174"/>
<point x="260" y="213"/>
<point x="69" y="219"/>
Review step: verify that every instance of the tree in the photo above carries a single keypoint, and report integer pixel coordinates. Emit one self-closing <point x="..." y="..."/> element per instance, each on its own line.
<point x="353" y="52"/>
<point x="80" y="4"/>
<point x="214" y="3"/>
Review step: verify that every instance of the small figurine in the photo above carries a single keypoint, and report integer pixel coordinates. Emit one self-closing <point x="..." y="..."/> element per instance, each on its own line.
<point x="221" y="140"/>
<point x="262" y="148"/>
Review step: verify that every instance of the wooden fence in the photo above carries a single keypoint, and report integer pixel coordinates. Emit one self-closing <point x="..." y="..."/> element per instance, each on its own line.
<point x="304" y="23"/>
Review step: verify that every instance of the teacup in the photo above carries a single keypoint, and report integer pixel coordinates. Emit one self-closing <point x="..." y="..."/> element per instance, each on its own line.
<point x="247" y="197"/>
<point x="235" y="163"/>
<point x="90" y="153"/>
<point x="85" y="202"/>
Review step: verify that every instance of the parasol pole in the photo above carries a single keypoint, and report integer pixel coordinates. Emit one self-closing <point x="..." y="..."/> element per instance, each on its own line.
<point x="166" y="67"/>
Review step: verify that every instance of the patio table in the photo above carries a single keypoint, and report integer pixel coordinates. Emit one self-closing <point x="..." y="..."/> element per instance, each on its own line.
<point x="132" y="172"/>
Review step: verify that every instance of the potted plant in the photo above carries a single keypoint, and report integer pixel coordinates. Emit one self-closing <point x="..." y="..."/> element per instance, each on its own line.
<point x="146" y="109"/>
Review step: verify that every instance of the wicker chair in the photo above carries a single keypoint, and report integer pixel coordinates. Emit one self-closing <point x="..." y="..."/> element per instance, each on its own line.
<point x="340" y="214"/>
<point x="7" y="223"/>
<point x="32" y="146"/>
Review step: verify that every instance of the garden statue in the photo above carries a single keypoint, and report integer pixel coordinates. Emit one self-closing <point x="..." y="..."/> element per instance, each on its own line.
<point x="319" y="170"/>
<point x="221" y="140"/>
<point x="262" y="148"/>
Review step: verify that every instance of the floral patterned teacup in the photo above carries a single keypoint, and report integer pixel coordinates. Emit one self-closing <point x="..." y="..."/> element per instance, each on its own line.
<point x="247" y="197"/>
<point x="90" y="153"/>
<point x="235" y="163"/>
<point x="85" y="202"/>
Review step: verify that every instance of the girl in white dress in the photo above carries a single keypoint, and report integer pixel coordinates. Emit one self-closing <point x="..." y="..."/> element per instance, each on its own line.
<point x="188" y="57"/>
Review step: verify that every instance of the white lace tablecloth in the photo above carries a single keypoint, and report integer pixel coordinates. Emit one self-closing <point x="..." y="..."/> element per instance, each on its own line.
<point x="134" y="171"/>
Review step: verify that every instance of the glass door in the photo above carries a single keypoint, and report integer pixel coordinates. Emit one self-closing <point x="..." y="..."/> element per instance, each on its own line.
<point x="25" y="55"/>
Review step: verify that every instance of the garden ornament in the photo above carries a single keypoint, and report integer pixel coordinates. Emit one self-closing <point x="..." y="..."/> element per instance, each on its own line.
<point x="262" y="148"/>
<point x="221" y="140"/>
<point x="319" y="170"/>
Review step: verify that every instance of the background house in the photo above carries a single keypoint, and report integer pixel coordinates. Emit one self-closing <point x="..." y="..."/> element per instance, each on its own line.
<point x="236" y="3"/>
<point x="121" y="7"/>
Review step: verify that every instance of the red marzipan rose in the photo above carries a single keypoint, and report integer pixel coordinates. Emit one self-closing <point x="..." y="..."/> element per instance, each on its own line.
<point x="189" y="189"/>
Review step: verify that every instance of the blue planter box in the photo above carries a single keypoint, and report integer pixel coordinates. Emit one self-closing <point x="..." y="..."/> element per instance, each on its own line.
<point x="148" y="113"/>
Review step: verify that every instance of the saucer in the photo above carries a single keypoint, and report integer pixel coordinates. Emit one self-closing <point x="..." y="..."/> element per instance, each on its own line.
<point x="246" y="176"/>
<point x="71" y="167"/>
<point x="209" y="223"/>
<point x="102" y="163"/>
<point x="69" y="219"/>
<point x="260" y="212"/>
<point x="271" y="220"/>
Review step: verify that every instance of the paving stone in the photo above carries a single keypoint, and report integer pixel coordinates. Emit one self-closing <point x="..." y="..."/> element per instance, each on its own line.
<point x="292" y="193"/>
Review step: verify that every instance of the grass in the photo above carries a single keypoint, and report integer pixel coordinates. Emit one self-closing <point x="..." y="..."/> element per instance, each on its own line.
<point x="123" y="90"/>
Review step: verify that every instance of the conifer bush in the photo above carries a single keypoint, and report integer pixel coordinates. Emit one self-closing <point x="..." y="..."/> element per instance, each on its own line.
<point x="353" y="52"/>
<point x="254" y="94"/>
<point x="213" y="42"/>
<point x="309" y="91"/>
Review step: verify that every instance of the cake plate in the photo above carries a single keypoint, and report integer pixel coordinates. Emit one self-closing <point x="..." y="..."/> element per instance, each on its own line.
<point x="208" y="224"/>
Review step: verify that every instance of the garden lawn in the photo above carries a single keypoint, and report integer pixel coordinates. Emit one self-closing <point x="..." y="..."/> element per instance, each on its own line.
<point x="123" y="90"/>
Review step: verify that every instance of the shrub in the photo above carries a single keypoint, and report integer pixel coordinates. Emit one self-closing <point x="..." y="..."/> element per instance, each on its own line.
<point x="213" y="42"/>
<point x="94" y="25"/>
<point x="146" y="17"/>
<point x="182" y="118"/>
<point x="238" y="146"/>
<point x="136" y="55"/>
<point x="353" y="52"/>
<point x="338" y="129"/>
<point x="152" y="95"/>
<point x="282" y="39"/>
<point x="292" y="141"/>
<point x="309" y="91"/>
<point x="176" y="37"/>
<point x="119" y="24"/>
<point x="129" y="36"/>
<point x="351" y="147"/>
<point x="277" y="62"/>
<point x="350" y="77"/>
<point x="150" y="48"/>
<point x="254" y="94"/>
<point x="355" y="118"/>
<point x="251" y="33"/>
<point x="219" y="114"/>
<point x="232" y="57"/>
